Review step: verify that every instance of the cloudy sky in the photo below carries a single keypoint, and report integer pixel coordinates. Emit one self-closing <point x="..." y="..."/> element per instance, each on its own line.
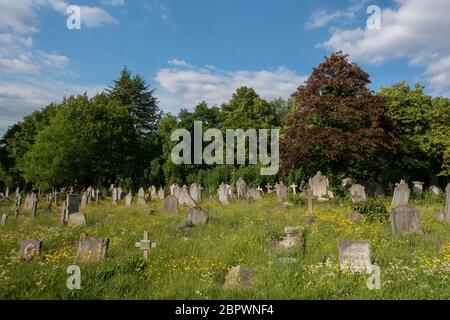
<point x="203" y="50"/>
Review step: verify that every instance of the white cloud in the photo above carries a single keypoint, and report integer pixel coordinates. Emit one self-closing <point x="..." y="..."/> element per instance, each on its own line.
<point x="417" y="30"/>
<point x="321" y="17"/>
<point x="114" y="2"/>
<point x="180" y="87"/>
<point x="179" y="63"/>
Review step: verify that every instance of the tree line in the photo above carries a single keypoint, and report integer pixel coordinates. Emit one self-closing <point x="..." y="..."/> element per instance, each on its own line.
<point x="332" y="123"/>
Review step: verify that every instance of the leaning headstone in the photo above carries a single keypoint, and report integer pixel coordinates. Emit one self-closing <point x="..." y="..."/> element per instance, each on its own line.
<point x="358" y="193"/>
<point x="319" y="185"/>
<point x="91" y="249"/>
<point x="77" y="219"/>
<point x="445" y="215"/>
<point x="355" y="256"/>
<point x="171" y="204"/>
<point x="405" y="219"/>
<point x="161" y="193"/>
<point x="128" y="199"/>
<point x="417" y="187"/>
<point x="141" y="197"/>
<point x="239" y="276"/>
<point x="436" y="190"/>
<point x="401" y="195"/>
<point x="174" y="190"/>
<point x="84" y="199"/>
<point x="241" y="188"/>
<point x="114" y="196"/>
<point x="196" y="216"/>
<point x="184" y="198"/>
<point x="223" y="194"/>
<point x="4" y="219"/>
<point x="195" y="191"/>
<point x="30" y="248"/>
<point x="254" y="194"/>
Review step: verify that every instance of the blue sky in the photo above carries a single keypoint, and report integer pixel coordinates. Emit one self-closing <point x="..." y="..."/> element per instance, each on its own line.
<point x="204" y="49"/>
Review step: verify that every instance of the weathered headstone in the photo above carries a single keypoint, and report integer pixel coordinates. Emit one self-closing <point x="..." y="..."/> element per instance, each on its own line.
<point x="379" y="191"/>
<point x="241" y="188"/>
<point x="161" y="193"/>
<point x="405" y="219"/>
<point x="254" y="194"/>
<point x="114" y="196"/>
<point x="195" y="192"/>
<point x="73" y="203"/>
<point x="141" y="197"/>
<point x="436" y="190"/>
<point x="84" y="199"/>
<point x="91" y="249"/>
<point x="401" y="195"/>
<point x="119" y="193"/>
<point x="445" y="215"/>
<point x="145" y="245"/>
<point x="292" y="239"/>
<point x="174" y="190"/>
<point x="358" y="193"/>
<point x="196" y="216"/>
<point x="128" y="199"/>
<point x="417" y="187"/>
<point x="30" y="248"/>
<point x="153" y="193"/>
<point x="223" y="194"/>
<point x="77" y="219"/>
<point x="239" y="276"/>
<point x="229" y="191"/>
<point x="319" y="185"/>
<point x="355" y="256"/>
<point x="184" y="198"/>
<point x="171" y="204"/>
<point x="281" y="193"/>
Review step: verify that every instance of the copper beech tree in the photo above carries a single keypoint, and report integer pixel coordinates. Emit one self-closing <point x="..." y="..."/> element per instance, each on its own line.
<point x="339" y="126"/>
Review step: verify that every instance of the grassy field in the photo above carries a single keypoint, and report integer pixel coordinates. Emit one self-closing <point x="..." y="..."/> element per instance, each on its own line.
<point x="191" y="264"/>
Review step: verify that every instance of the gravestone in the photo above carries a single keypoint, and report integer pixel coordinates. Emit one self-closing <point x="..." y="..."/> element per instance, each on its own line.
<point x="33" y="204"/>
<point x="254" y="194"/>
<point x="417" y="187"/>
<point x="30" y="248"/>
<point x="319" y="185"/>
<point x="114" y="196"/>
<point x="171" y="204"/>
<point x="261" y="190"/>
<point x="27" y="202"/>
<point x="4" y="219"/>
<point x="355" y="256"/>
<point x="292" y="239"/>
<point x="269" y="188"/>
<point x="77" y="219"/>
<point x="195" y="192"/>
<point x="239" y="276"/>
<point x="174" y="190"/>
<point x="161" y="193"/>
<point x="445" y="215"/>
<point x="153" y="193"/>
<point x="229" y="191"/>
<point x="145" y="245"/>
<point x="73" y="203"/>
<point x="91" y="249"/>
<point x="141" y="197"/>
<point x="119" y="193"/>
<point x="294" y="188"/>
<point x="281" y="193"/>
<point x="241" y="188"/>
<point x="196" y="217"/>
<point x="84" y="200"/>
<point x="358" y="193"/>
<point x="184" y="198"/>
<point x="436" y="190"/>
<point x="128" y="199"/>
<point x="310" y="197"/>
<point x="223" y="194"/>
<point x="379" y="191"/>
<point x="347" y="182"/>
<point x="401" y="195"/>
<point x="405" y="219"/>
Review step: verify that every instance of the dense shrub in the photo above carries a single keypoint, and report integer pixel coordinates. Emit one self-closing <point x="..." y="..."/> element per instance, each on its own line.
<point x="373" y="209"/>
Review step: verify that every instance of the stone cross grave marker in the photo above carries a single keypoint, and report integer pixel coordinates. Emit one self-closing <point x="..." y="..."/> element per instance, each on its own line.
<point x="145" y="245"/>
<point x="294" y="188"/>
<point x="355" y="256"/>
<point x="445" y="215"/>
<point x="310" y="197"/>
<point x="405" y="219"/>
<point x="401" y="195"/>
<point x="358" y="193"/>
<point x="171" y="204"/>
<point x="91" y="249"/>
<point x="29" y="248"/>
<point x="269" y="188"/>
